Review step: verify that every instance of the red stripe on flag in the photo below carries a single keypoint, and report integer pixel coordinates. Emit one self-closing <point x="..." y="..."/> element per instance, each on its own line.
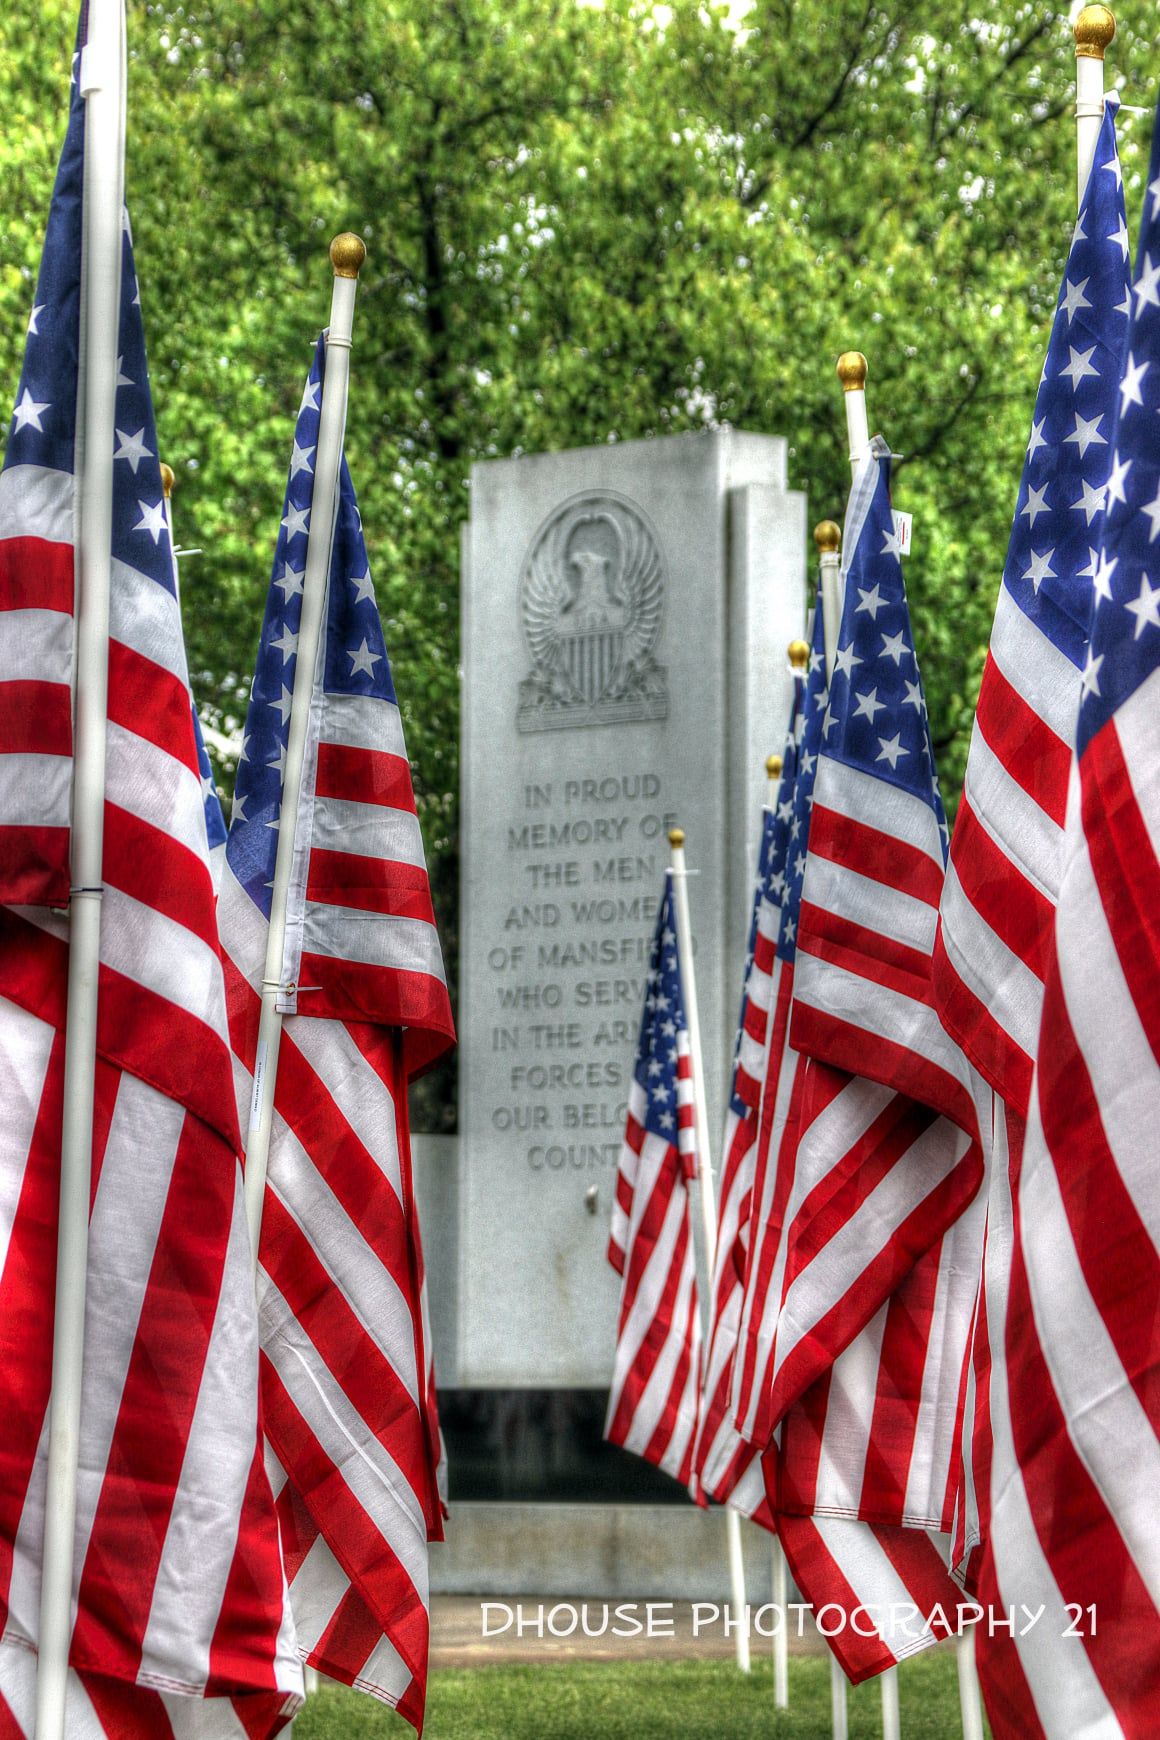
<point x="35" y="718"/>
<point x="1030" y="752"/>
<point x="36" y="574"/>
<point x="882" y="857"/>
<point x="144" y="1464"/>
<point x="367" y="776"/>
<point x="1007" y="902"/>
<point x="251" y="1606"/>
<point x="34" y="866"/>
<point x="369" y="885"/>
<point x="152" y="703"/>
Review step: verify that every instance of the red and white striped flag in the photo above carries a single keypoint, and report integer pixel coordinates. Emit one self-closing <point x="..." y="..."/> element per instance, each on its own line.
<point x="1007" y="853"/>
<point x="1074" y="1535"/>
<point x="656" y="1379"/>
<point x="171" y="1472"/>
<point x="876" y="1225"/>
<point x="776" y="1132"/>
<point x="346" y="1379"/>
<point x="725" y="1462"/>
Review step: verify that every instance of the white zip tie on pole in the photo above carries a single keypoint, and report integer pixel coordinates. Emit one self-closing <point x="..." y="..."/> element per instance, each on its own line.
<point x="1094" y="30"/>
<point x="102" y="84"/>
<point x="708" y="1202"/>
<point x="347" y="253"/>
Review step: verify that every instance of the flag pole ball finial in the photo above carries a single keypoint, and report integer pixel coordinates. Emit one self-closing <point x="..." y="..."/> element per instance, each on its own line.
<point x="799" y="654"/>
<point x="676" y="838"/>
<point x="773" y="766"/>
<point x="828" y="537"/>
<point x="168" y="479"/>
<point x="852" y="371"/>
<point x="347" y="253"/>
<point x="1094" y="29"/>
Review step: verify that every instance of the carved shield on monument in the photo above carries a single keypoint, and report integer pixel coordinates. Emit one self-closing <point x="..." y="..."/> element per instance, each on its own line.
<point x="591" y="596"/>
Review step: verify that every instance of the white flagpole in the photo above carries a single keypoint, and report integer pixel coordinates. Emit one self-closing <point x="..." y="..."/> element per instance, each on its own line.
<point x="773" y="765"/>
<point x="1094" y="30"/>
<point x="708" y="1201"/>
<point x="102" y="85"/>
<point x="839" y="1719"/>
<point x="851" y="370"/>
<point x="828" y="538"/>
<point x="970" y="1697"/>
<point x="347" y="253"/>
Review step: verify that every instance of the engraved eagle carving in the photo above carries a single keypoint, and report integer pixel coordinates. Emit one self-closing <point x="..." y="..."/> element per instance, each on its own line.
<point x="591" y="600"/>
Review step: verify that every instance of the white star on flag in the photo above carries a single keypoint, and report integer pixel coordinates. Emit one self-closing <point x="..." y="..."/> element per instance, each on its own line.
<point x="296" y="521"/>
<point x="1148" y="285"/>
<point x="33" y="329"/>
<point x="868" y="705"/>
<point x="1090" y="502"/>
<point x="29" y="411"/>
<point x="845" y="659"/>
<point x="1101" y="576"/>
<point x="1145" y="608"/>
<point x="1074" y="298"/>
<point x="870" y="599"/>
<point x="891" y="749"/>
<point x="286" y="643"/>
<point x="132" y="448"/>
<point x="1087" y="433"/>
<point x="1040" y="568"/>
<point x="152" y="519"/>
<point x="290" y="580"/>
<point x="1079" y="365"/>
<point x="364" y="588"/>
<point x="1036" y="503"/>
<point x="1130" y="393"/>
<point x="363" y="660"/>
<point x="300" y="460"/>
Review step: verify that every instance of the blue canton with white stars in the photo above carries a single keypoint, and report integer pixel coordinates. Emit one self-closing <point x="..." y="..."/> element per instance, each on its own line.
<point x="813" y="713"/>
<point x="876" y="721"/>
<point x="663" y="1019"/>
<point x="770" y="877"/>
<point x="43" y="431"/>
<point x="354" y="656"/>
<point x="1051" y="559"/>
<point x="1125" y="637"/>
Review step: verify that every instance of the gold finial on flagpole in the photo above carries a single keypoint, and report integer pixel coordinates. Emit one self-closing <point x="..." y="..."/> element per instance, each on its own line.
<point x="827" y="536"/>
<point x="168" y="479"/>
<point x="799" y="654"/>
<point x="347" y="253"/>
<point x="773" y="766"/>
<point x="676" y="838"/>
<point x="1094" y="30"/>
<point x="851" y="368"/>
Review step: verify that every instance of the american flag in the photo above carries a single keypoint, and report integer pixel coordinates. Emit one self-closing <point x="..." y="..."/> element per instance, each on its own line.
<point x="724" y="1461"/>
<point x="1007" y="854"/>
<point x="776" y="1142"/>
<point x="888" y="1152"/>
<point x="347" y="1393"/>
<point x="171" y="1470"/>
<point x="874" y="1277"/>
<point x="1077" y="1448"/>
<point x="656" y="1380"/>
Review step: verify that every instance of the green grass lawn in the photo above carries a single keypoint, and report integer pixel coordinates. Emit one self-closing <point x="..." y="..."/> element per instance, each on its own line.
<point x="643" y="1701"/>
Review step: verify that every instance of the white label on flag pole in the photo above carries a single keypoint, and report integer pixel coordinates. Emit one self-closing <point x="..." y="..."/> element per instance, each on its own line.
<point x="902" y="529"/>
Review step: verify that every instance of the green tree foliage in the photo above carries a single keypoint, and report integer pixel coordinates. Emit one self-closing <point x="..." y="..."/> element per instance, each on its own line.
<point x="587" y="223"/>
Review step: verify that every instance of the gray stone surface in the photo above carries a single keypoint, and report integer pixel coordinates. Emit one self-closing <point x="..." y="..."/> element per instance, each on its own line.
<point x="614" y="1551"/>
<point x="626" y="611"/>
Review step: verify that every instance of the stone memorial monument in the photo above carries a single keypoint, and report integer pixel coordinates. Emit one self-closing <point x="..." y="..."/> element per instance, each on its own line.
<point x="626" y="611"/>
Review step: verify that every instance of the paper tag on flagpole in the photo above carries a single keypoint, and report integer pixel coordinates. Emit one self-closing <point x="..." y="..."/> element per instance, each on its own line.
<point x="902" y="529"/>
